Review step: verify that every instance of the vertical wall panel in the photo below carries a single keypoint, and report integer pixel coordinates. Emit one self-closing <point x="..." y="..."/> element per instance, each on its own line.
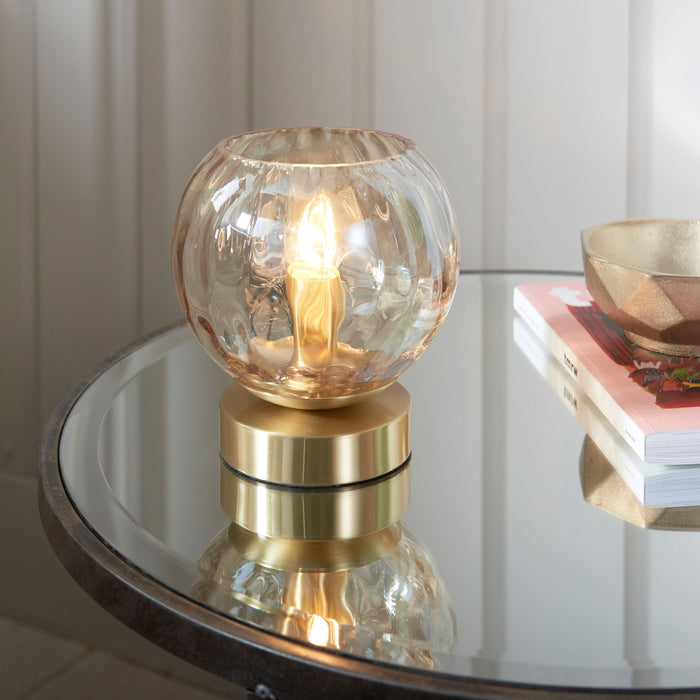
<point x="120" y="195"/>
<point x="641" y="108"/>
<point x="302" y="70"/>
<point x="363" y="63"/>
<point x="155" y="218"/>
<point x="87" y="270"/>
<point x="428" y="85"/>
<point x="675" y="80"/>
<point x="495" y="155"/>
<point x="566" y="126"/>
<point x="19" y="426"/>
<point x="193" y="88"/>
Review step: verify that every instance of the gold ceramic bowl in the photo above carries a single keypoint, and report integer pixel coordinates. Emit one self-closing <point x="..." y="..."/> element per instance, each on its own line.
<point x="645" y="275"/>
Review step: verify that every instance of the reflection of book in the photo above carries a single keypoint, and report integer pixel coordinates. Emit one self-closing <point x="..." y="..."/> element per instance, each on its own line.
<point x="652" y="400"/>
<point x="604" y="488"/>
<point x="658" y="485"/>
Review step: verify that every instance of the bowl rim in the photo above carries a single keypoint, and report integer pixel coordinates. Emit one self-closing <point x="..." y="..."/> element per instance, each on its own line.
<point x="590" y="253"/>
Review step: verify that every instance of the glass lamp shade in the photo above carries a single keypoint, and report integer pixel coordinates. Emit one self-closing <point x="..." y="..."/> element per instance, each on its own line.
<point x="394" y="608"/>
<point x="315" y="264"/>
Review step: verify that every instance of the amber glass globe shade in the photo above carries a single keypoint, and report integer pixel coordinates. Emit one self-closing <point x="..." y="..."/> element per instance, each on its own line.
<point x="315" y="264"/>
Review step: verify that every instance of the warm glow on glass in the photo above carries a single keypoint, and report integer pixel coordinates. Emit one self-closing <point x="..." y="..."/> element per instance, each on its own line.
<point x="313" y="243"/>
<point x="319" y="631"/>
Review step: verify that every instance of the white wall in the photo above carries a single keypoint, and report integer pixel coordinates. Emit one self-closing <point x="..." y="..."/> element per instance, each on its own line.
<point x="544" y="117"/>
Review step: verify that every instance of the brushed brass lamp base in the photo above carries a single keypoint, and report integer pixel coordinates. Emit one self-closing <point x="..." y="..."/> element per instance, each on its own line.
<point x="314" y="448"/>
<point x="319" y="489"/>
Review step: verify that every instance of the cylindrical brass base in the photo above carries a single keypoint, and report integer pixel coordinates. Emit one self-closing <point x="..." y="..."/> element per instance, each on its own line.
<point x="314" y="448"/>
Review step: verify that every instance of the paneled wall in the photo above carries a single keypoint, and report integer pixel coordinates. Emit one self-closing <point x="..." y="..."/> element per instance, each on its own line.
<point x="543" y="116"/>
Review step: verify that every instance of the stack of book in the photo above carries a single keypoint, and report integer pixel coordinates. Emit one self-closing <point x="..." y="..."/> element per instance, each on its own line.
<point x="640" y="408"/>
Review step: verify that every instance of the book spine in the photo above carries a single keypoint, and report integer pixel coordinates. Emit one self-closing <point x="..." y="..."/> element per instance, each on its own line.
<point x="578" y="404"/>
<point x="588" y="382"/>
<point x="592" y="422"/>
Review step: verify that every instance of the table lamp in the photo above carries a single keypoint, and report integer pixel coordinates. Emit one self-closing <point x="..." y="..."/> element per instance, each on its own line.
<point x="315" y="265"/>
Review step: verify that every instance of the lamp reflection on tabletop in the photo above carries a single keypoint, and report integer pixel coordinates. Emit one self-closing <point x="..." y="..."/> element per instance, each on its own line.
<point x="377" y="595"/>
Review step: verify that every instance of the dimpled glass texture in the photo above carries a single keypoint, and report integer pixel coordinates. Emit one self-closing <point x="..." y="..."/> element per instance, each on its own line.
<point x="315" y="263"/>
<point x="394" y="609"/>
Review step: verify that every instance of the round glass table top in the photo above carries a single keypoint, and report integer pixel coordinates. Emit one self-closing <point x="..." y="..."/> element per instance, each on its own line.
<point x="544" y="570"/>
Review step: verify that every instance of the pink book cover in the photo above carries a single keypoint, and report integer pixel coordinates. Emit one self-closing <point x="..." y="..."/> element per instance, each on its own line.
<point x="657" y="393"/>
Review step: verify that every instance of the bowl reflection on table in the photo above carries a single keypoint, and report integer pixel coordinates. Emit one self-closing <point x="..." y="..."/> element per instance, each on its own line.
<point x="645" y="275"/>
<point x="604" y="488"/>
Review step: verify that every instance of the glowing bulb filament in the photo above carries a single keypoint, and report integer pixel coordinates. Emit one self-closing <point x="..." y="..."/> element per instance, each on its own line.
<point x="319" y="631"/>
<point x="314" y="289"/>
<point x="316" y="236"/>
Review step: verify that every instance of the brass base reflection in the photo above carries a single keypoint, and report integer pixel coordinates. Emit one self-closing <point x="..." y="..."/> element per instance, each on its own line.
<point x="314" y="448"/>
<point x="604" y="488"/>
<point x="346" y="512"/>
<point x="314" y="555"/>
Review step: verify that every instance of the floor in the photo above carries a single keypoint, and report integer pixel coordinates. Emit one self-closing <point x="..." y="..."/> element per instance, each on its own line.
<point x="35" y="665"/>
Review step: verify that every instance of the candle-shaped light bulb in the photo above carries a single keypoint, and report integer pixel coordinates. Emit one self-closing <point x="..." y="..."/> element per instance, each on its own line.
<point x="314" y="289"/>
<point x="315" y="241"/>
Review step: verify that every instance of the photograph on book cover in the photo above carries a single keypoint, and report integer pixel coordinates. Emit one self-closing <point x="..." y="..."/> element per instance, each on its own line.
<point x="673" y="381"/>
<point x="654" y="400"/>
